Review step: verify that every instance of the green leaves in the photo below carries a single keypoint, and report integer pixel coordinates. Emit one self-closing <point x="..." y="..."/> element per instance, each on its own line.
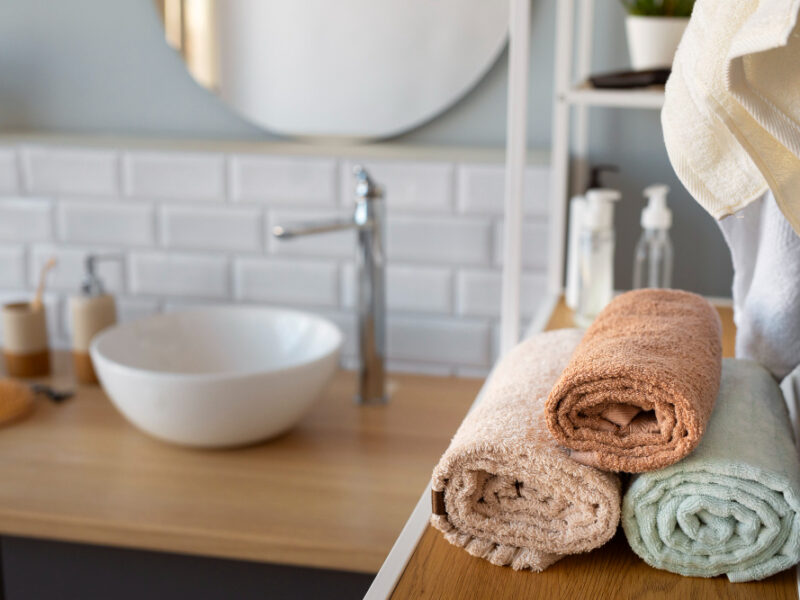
<point x="659" y="8"/>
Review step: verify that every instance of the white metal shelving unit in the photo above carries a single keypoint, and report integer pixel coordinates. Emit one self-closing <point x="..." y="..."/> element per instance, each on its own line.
<point x="573" y="97"/>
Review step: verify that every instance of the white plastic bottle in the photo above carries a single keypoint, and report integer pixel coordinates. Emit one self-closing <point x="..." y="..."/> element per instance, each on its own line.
<point x="596" y="254"/>
<point x="577" y="206"/>
<point x="653" y="259"/>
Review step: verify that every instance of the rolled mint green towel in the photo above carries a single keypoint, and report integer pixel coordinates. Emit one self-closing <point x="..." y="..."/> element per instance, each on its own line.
<point x="733" y="505"/>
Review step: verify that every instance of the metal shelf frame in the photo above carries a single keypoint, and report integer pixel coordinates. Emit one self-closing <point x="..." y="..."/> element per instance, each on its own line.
<point x="572" y="99"/>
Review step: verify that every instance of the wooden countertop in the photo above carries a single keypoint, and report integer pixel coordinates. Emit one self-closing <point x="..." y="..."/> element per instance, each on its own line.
<point x="332" y="493"/>
<point x="437" y="569"/>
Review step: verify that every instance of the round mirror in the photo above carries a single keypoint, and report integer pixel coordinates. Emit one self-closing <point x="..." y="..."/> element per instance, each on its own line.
<point x="360" y="69"/>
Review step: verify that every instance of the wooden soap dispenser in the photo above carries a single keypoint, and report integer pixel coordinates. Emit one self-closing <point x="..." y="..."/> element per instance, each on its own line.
<point x="91" y="311"/>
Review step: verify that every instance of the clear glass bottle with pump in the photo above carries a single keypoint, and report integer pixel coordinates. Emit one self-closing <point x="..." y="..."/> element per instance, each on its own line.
<point x="596" y="261"/>
<point x="653" y="258"/>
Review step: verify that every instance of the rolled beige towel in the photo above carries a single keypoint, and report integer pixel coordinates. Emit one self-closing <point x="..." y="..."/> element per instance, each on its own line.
<point x="505" y="490"/>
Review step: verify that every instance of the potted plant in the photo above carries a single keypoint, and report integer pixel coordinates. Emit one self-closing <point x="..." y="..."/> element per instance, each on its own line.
<point x="654" y="29"/>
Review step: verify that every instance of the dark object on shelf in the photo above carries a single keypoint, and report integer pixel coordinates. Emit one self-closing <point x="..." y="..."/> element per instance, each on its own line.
<point x="630" y="79"/>
<point x="56" y="396"/>
<point x="595" y="180"/>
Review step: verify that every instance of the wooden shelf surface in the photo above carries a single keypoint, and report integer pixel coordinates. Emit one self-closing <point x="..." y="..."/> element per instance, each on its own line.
<point x="437" y="569"/>
<point x="444" y="571"/>
<point x="332" y="493"/>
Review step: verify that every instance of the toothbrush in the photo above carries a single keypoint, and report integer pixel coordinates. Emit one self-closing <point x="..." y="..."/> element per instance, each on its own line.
<point x="37" y="299"/>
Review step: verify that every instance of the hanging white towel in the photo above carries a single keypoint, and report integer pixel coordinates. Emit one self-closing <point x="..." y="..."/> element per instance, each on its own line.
<point x="731" y="117"/>
<point x="766" y="285"/>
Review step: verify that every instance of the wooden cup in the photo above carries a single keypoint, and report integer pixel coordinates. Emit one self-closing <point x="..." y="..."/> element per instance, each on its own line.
<point x="25" y="348"/>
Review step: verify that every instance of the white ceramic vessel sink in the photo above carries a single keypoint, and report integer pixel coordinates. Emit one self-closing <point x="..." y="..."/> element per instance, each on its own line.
<point x="217" y="377"/>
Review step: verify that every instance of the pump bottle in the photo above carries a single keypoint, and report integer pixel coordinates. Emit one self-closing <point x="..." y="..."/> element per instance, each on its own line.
<point x="91" y="311"/>
<point x="577" y="206"/>
<point x="653" y="258"/>
<point x="596" y="254"/>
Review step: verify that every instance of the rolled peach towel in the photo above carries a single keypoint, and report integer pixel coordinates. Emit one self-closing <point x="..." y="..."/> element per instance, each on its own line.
<point x="505" y="490"/>
<point x="638" y="392"/>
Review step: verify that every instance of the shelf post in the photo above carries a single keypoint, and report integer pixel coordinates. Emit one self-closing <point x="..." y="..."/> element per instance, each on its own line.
<point x="559" y="166"/>
<point x="580" y="161"/>
<point x="516" y="148"/>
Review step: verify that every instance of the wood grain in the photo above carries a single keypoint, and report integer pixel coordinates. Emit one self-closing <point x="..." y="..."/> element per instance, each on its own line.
<point x="440" y="570"/>
<point x="333" y="493"/>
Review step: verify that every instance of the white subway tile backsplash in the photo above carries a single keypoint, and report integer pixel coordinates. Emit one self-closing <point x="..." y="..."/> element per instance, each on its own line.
<point x="439" y="340"/>
<point x="160" y="273"/>
<point x="340" y="244"/>
<point x="25" y="219"/>
<point x="9" y="172"/>
<point x="408" y="288"/>
<point x="68" y="274"/>
<point x="52" y="170"/>
<point x="193" y="227"/>
<point x="417" y="186"/>
<point x="482" y="189"/>
<point x="279" y="281"/>
<point x="106" y="223"/>
<point x="408" y="337"/>
<point x="479" y="291"/>
<point x="297" y="181"/>
<point x="181" y="244"/>
<point x="12" y="266"/>
<point x="534" y="244"/>
<point x="439" y="240"/>
<point x="174" y="175"/>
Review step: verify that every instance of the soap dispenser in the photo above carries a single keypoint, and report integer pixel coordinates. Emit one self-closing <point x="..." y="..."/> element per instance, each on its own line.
<point x="91" y="311"/>
<point x="596" y="258"/>
<point x="652" y="266"/>
<point x="577" y="206"/>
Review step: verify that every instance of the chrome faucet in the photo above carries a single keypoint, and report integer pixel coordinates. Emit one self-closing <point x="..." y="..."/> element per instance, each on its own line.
<point x="368" y="221"/>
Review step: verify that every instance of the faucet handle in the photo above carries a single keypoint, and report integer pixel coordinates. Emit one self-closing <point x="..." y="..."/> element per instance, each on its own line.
<point x="365" y="186"/>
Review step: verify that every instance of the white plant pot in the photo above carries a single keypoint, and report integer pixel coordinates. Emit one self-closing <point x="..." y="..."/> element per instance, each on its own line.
<point x="652" y="41"/>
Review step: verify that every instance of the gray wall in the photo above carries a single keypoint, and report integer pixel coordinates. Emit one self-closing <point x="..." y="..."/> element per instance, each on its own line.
<point x="94" y="66"/>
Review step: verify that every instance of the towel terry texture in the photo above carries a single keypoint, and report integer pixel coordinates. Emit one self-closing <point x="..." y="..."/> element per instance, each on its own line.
<point x="766" y="276"/>
<point x="511" y="494"/>
<point x="639" y="390"/>
<point x="731" y="116"/>
<point x="733" y="506"/>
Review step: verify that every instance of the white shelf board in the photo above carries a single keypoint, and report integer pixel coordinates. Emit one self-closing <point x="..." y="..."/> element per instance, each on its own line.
<point x="585" y="94"/>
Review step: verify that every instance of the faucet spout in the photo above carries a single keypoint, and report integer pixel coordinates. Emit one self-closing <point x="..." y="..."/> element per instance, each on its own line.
<point x="368" y="221"/>
<point x="292" y="230"/>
